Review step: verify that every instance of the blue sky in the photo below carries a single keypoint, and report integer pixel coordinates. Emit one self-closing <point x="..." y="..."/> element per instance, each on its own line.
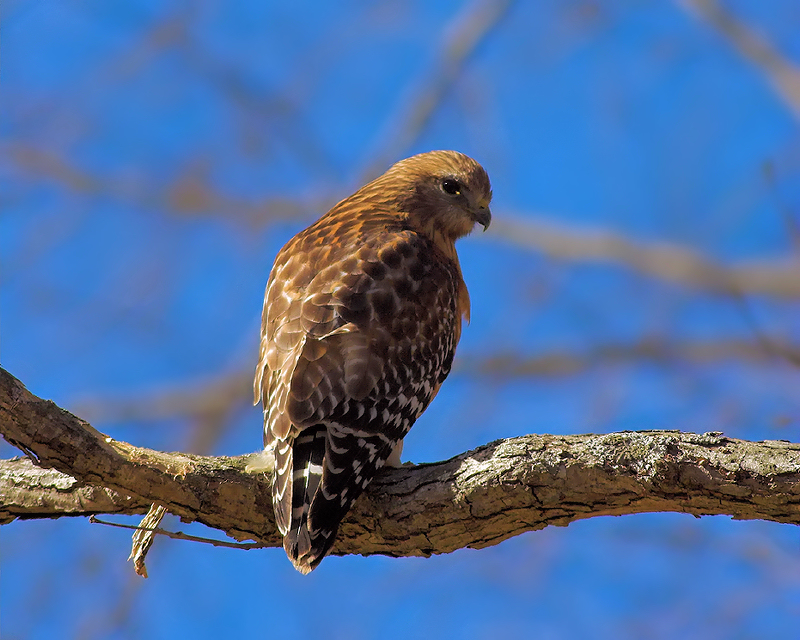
<point x="156" y="157"/>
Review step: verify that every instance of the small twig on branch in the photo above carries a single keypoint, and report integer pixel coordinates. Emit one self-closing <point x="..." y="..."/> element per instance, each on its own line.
<point x="143" y="537"/>
<point x="178" y="535"/>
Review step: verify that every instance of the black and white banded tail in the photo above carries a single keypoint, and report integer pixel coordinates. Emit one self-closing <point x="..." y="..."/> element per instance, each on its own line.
<point x="331" y="467"/>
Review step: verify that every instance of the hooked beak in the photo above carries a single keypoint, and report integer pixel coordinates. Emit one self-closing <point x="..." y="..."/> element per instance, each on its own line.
<point x="483" y="217"/>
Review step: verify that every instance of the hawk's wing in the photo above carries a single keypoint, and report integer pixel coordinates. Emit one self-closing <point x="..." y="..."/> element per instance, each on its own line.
<point x="359" y="331"/>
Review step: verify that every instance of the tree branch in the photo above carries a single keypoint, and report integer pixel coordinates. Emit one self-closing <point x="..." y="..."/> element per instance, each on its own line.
<point x="476" y="499"/>
<point x="30" y="492"/>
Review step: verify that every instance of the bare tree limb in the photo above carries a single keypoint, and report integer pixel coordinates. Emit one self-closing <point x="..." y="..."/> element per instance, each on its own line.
<point x="31" y="492"/>
<point x="476" y="499"/>
<point x="209" y="490"/>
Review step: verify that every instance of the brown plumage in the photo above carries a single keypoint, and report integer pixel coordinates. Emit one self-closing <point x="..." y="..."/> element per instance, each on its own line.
<point x="361" y="319"/>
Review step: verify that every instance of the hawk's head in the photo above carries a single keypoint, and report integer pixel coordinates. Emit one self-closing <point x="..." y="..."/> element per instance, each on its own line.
<point x="442" y="192"/>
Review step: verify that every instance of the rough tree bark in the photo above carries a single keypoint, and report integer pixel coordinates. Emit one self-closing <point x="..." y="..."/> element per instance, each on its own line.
<point x="476" y="499"/>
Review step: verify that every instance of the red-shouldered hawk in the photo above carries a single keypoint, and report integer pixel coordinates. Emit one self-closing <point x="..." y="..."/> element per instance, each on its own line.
<point x="361" y="319"/>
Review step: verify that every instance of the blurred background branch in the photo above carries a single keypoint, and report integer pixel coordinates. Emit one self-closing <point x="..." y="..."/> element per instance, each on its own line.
<point x="668" y="262"/>
<point x="782" y="74"/>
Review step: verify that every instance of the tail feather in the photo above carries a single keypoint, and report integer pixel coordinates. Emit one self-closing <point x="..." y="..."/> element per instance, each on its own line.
<point x="309" y="454"/>
<point x="332" y="466"/>
<point x="281" y="485"/>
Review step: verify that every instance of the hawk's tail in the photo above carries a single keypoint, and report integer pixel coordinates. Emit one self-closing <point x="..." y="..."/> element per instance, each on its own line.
<point x="332" y="467"/>
<point x="304" y="549"/>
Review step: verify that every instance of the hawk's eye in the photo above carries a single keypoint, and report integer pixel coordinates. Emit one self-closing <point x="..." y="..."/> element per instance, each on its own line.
<point x="451" y="186"/>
